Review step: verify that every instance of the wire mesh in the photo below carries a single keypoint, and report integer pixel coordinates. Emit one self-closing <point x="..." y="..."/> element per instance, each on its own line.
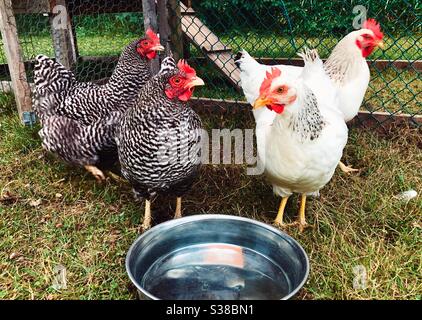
<point x="273" y="32"/>
<point x="214" y="31"/>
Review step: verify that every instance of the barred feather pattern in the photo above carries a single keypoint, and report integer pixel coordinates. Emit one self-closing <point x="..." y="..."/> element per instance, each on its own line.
<point x="88" y="102"/>
<point x="81" y="145"/>
<point x="168" y="64"/>
<point x="73" y="141"/>
<point x="131" y="73"/>
<point x="53" y="83"/>
<point x="158" y="142"/>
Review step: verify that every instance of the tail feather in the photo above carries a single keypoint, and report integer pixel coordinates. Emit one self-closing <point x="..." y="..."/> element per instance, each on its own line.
<point x="50" y="76"/>
<point x="316" y="78"/>
<point x="52" y="80"/>
<point x="310" y="56"/>
<point x="313" y="63"/>
<point x="241" y="57"/>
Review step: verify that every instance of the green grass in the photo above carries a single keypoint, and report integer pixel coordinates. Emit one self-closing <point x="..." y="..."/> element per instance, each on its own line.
<point x="89" y="45"/>
<point x="88" y="227"/>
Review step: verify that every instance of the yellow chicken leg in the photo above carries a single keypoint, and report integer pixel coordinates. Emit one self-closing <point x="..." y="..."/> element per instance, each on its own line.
<point x="302" y="221"/>
<point x="146" y="224"/>
<point x="178" y="213"/>
<point x="279" y="219"/>
<point x="347" y="169"/>
<point x="97" y="173"/>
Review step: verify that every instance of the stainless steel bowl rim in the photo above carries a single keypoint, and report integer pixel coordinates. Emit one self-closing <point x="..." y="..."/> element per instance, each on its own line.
<point x="202" y="217"/>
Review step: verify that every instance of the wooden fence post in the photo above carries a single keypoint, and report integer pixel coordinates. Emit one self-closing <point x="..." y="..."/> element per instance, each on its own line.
<point x="150" y="21"/>
<point x="163" y="25"/>
<point x="175" y="23"/>
<point x="62" y="33"/>
<point x="186" y="44"/>
<point x="14" y="57"/>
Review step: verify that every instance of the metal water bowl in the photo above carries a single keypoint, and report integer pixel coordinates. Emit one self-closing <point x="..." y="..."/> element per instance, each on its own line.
<point x="216" y="257"/>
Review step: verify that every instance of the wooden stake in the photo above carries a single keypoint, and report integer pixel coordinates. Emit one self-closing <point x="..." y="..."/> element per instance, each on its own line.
<point x="175" y="23"/>
<point x="62" y="33"/>
<point x="150" y="21"/>
<point x="14" y="58"/>
<point x="163" y="26"/>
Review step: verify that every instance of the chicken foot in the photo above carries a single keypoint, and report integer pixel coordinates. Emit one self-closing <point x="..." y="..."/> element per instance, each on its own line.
<point x="279" y="219"/>
<point x="146" y="224"/>
<point x="302" y="221"/>
<point x="347" y="169"/>
<point x="97" y="173"/>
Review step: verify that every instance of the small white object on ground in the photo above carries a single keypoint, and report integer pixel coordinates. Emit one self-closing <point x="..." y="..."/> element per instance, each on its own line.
<point x="406" y="195"/>
<point x="35" y="203"/>
<point x="59" y="280"/>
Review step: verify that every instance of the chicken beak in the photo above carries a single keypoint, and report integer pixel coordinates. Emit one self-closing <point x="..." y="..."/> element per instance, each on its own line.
<point x="381" y="45"/>
<point x="158" y="47"/>
<point x="196" y="81"/>
<point x="261" y="102"/>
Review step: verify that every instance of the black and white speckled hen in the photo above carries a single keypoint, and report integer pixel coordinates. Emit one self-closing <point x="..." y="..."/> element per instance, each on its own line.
<point x="79" y="119"/>
<point x="53" y="83"/>
<point x="158" y="140"/>
<point x="92" y="147"/>
<point x="58" y="93"/>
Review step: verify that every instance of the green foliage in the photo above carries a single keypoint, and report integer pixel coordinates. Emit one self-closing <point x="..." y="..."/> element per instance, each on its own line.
<point x="308" y="17"/>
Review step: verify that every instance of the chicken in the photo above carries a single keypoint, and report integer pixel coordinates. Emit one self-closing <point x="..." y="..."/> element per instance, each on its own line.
<point x="79" y="119"/>
<point x="53" y="83"/>
<point x="57" y="91"/>
<point x="346" y="67"/>
<point x="305" y="142"/>
<point x="92" y="146"/>
<point x="158" y="139"/>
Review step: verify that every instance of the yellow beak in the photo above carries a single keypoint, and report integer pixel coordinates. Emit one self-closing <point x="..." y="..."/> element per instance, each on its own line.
<point x="261" y="102"/>
<point x="196" y="81"/>
<point x="158" y="48"/>
<point x="381" y="45"/>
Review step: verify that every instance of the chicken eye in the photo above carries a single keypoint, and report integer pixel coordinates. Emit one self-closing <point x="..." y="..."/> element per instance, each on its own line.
<point x="280" y="90"/>
<point x="177" y="80"/>
<point x="145" y="43"/>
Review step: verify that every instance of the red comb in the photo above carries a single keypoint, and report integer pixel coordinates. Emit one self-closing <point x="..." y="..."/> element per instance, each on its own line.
<point x="183" y="66"/>
<point x="152" y="35"/>
<point x="374" y="26"/>
<point x="269" y="77"/>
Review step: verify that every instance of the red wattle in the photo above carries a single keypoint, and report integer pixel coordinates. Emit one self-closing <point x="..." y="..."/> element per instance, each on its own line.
<point x="151" y="55"/>
<point x="169" y="94"/>
<point x="186" y="95"/>
<point x="366" y="51"/>
<point x="278" y="108"/>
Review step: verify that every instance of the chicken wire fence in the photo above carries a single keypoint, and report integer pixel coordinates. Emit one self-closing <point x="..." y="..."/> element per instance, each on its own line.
<point x="210" y="33"/>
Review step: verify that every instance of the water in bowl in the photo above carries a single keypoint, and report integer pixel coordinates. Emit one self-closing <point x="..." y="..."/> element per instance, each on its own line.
<point x="215" y="272"/>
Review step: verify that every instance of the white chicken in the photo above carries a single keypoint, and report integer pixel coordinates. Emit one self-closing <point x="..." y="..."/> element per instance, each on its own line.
<point x="346" y="67"/>
<point x="305" y="142"/>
